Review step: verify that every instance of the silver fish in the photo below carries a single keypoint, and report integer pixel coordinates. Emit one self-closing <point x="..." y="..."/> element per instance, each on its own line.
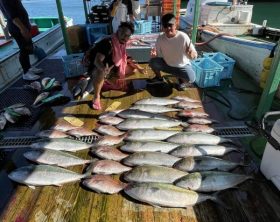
<point x="202" y="121"/>
<point x="24" y="111"/>
<point x="104" y="184"/>
<point x="3" y="121"/>
<point x="209" y="181"/>
<point x="61" y="144"/>
<point x="188" y="105"/>
<point x="149" y="134"/>
<point x="109" y="153"/>
<point x="64" y="126"/>
<point x="192" y="113"/>
<point x="34" y="86"/>
<point x="11" y="118"/>
<point x="156" y="101"/>
<point x="150" y="158"/>
<point x="202" y="150"/>
<point x="158" y="174"/>
<point x="109" y="113"/>
<point x="45" y="81"/>
<point x="40" y="97"/>
<point x="43" y="175"/>
<point x="202" y="163"/>
<point x="199" y="128"/>
<point x="111" y="120"/>
<point x="154" y="108"/>
<point x="109" y="167"/>
<point x="108" y="140"/>
<point x="185" y="98"/>
<point x="129" y="124"/>
<point x="138" y="114"/>
<point x="54" y="157"/>
<point x="154" y="146"/>
<point x="51" y="134"/>
<point x="108" y="130"/>
<point x="166" y="195"/>
<point x="81" y="131"/>
<point x="196" y="138"/>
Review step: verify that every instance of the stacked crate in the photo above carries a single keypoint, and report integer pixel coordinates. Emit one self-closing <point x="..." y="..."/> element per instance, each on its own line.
<point x="99" y="14"/>
<point x="168" y="7"/>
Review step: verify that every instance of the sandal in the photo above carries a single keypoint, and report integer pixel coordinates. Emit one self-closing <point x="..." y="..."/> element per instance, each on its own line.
<point x="96" y="105"/>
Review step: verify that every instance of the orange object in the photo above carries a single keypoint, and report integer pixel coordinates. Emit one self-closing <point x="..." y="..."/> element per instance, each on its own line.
<point x="168" y="7"/>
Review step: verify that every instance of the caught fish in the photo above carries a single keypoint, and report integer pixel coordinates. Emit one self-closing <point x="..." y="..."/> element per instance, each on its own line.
<point x="199" y="128"/>
<point x="44" y="175"/>
<point x="45" y="81"/>
<point x="109" y="167"/>
<point x="3" y="121"/>
<point x="81" y="131"/>
<point x="40" y="97"/>
<point x="156" y="101"/>
<point x="108" y="130"/>
<point x="61" y="144"/>
<point x="188" y="105"/>
<point x="64" y="126"/>
<point x="202" y="150"/>
<point x="51" y="134"/>
<point x="89" y="89"/>
<point x="203" y="163"/>
<point x="192" y="113"/>
<point x="108" y="140"/>
<point x="129" y="124"/>
<point x="159" y="174"/>
<point x="209" y="181"/>
<point x="12" y="118"/>
<point x="138" y="114"/>
<point x="34" y="86"/>
<point x="153" y="146"/>
<point x="49" y="85"/>
<point x="196" y="138"/>
<point x="154" y="108"/>
<point x="109" y="113"/>
<point x="150" y="158"/>
<point x="185" y="98"/>
<point x="54" y="157"/>
<point x="166" y="195"/>
<point x="16" y="105"/>
<point x="109" y="153"/>
<point x="80" y="87"/>
<point x="202" y="121"/>
<point x="149" y="134"/>
<point x="111" y="120"/>
<point x="104" y="184"/>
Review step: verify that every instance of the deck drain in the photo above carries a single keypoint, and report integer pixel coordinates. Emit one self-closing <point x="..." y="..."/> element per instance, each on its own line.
<point x="22" y="142"/>
<point x="233" y="131"/>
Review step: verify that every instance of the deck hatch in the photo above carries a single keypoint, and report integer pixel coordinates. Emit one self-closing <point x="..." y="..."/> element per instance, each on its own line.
<point x="21" y="142"/>
<point x="233" y="131"/>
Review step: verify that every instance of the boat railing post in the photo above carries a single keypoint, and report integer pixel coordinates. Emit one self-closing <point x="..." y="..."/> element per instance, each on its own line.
<point x="271" y="85"/>
<point x="63" y="27"/>
<point x="86" y="11"/>
<point x="195" y="20"/>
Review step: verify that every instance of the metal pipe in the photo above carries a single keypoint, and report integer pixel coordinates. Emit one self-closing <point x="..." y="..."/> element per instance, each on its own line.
<point x="63" y="27"/>
<point x="271" y="85"/>
<point x="86" y="11"/>
<point x="195" y="20"/>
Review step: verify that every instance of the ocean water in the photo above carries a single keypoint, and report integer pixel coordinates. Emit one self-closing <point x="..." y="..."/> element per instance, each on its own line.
<point x="264" y="10"/>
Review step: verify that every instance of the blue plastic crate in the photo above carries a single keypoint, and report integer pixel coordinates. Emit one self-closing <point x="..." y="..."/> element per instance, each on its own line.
<point x="223" y="60"/>
<point x="208" y="72"/>
<point x="73" y="66"/>
<point x="142" y="27"/>
<point x="96" y="31"/>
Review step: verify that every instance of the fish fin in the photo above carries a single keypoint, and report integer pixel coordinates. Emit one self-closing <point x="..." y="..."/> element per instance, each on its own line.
<point x="32" y="187"/>
<point x="89" y="169"/>
<point x="217" y="200"/>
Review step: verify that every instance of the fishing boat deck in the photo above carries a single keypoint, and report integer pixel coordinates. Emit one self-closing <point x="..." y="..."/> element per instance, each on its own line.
<point x="254" y="200"/>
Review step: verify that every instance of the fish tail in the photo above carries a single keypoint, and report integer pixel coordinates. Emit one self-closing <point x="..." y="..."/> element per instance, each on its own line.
<point x="89" y="169"/>
<point x="217" y="200"/>
<point x="184" y="124"/>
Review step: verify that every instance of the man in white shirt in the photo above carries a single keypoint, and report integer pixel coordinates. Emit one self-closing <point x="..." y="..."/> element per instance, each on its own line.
<point x="172" y="54"/>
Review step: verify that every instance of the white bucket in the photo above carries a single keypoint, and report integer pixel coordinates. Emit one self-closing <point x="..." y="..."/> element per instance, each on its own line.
<point x="270" y="165"/>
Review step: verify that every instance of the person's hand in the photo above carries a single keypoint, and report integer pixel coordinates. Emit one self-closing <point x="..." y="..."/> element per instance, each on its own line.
<point x="142" y="70"/>
<point x="107" y="69"/>
<point x="153" y="53"/>
<point x="192" y="54"/>
<point x="26" y="34"/>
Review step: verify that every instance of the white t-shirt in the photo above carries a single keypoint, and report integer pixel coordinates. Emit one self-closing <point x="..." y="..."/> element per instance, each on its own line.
<point x="173" y="50"/>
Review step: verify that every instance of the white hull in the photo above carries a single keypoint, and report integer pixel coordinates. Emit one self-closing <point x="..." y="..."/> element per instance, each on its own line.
<point x="10" y="68"/>
<point x="249" y="55"/>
